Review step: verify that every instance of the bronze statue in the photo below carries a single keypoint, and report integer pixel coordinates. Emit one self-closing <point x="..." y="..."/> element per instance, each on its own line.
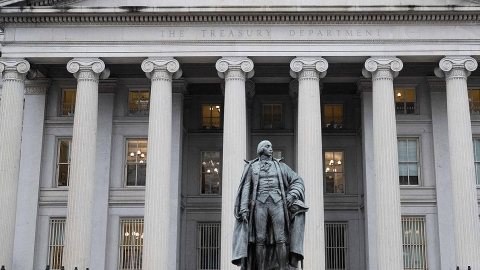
<point x="270" y="214"/>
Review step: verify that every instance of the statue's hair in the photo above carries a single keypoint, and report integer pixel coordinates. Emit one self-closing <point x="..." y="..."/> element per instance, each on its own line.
<point x="261" y="145"/>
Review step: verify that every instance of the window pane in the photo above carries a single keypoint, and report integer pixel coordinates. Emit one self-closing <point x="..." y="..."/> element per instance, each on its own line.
<point x="333" y="116"/>
<point x="412" y="150"/>
<point x="476" y="144"/>
<point x="334" y="173"/>
<point x="403" y="169"/>
<point x="402" y="150"/>
<point x="413" y="169"/>
<point x="208" y="246"/>
<point x="272" y="116"/>
<point x="136" y="162"/>
<point x="211" y="116"/>
<point x="278" y="154"/>
<point x="131" y="244"/>
<point x="56" y="243"/>
<point x="414" y="247"/>
<point x="68" y="102"/>
<point x="477" y="169"/>
<point x="210" y="172"/>
<point x="138" y="102"/>
<point x="63" y="162"/>
<point x="336" y="246"/>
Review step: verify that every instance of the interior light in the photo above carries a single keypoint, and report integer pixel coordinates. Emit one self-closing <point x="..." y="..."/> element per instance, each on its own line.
<point x="143" y="155"/>
<point x="141" y="161"/>
<point x="139" y="152"/>
<point x="127" y="234"/>
<point x="215" y="170"/>
<point x="132" y="154"/>
<point x="339" y="162"/>
<point x="399" y="94"/>
<point x="208" y="171"/>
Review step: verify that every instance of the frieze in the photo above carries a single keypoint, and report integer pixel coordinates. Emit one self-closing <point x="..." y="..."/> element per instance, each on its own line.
<point x="238" y="33"/>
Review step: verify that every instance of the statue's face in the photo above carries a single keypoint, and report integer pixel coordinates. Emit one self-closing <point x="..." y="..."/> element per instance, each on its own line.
<point x="267" y="150"/>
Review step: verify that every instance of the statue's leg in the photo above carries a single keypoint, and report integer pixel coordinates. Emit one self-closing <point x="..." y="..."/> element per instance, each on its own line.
<point x="261" y="232"/>
<point x="278" y="222"/>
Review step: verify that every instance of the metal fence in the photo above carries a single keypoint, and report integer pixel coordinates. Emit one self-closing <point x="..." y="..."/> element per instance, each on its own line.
<point x="208" y="246"/>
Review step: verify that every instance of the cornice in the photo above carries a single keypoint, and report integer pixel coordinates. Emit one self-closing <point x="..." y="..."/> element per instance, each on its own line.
<point x="239" y="15"/>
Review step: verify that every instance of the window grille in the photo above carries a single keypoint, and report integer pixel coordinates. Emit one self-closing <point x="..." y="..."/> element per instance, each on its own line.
<point x="68" y="102"/>
<point x="336" y="246"/>
<point x="208" y="246"/>
<point x="408" y="168"/>
<point x="211" y="116"/>
<point x="131" y="244"/>
<point x="333" y="116"/>
<point x="64" y="157"/>
<point x="56" y="243"/>
<point x="138" y="102"/>
<point x="414" y="246"/>
<point x="334" y="173"/>
<point x="272" y="116"/>
<point x="476" y="155"/>
<point x="136" y="163"/>
<point x="405" y="101"/>
<point x="474" y="100"/>
<point x="210" y="181"/>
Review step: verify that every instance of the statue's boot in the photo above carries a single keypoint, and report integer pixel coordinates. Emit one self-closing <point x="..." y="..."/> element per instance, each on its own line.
<point x="261" y="252"/>
<point x="282" y="256"/>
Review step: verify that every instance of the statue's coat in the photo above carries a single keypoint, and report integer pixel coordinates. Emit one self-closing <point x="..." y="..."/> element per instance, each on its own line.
<point x="244" y="234"/>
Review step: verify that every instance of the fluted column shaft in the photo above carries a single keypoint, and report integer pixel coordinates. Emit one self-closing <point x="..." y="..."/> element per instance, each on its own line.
<point x="159" y="149"/>
<point x="308" y="71"/>
<point x="11" y="110"/>
<point x="235" y="71"/>
<point x="79" y="223"/>
<point x="465" y="205"/>
<point x="385" y="152"/>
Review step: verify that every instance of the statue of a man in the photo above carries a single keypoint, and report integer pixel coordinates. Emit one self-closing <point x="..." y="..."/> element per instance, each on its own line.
<point x="270" y="214"/>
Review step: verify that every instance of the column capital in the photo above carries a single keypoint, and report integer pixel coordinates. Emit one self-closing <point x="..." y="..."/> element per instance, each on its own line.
<point x="456" y="67"/>
<point x="242" y="67"/>
<point x="16" y="69"/>
<point x="88" y="68"/>
<point x="168" y="65"/>
<point x="386" y="67"/>
<point x="302" y="67"/>
<point x="37" y="87"/>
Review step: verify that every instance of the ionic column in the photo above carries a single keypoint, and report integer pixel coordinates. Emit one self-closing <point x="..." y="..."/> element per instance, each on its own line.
<point x="79" y="223"/>
<point x="456" y="69"/>
<point x="14" y="72"/>
<point x="156" y="245"/>
<point x="308" y="71"/>
<point x="382" y="70"/>
<point x="29" y="176"/>
<point x="235" y="70"/>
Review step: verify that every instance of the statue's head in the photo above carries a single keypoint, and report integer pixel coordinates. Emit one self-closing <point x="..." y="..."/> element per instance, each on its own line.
<point x="265" y="148"/>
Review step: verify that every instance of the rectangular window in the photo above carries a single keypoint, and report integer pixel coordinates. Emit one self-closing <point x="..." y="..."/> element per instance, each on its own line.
<point x="131" y="244"/>
<point x="272" y="116"/>
<point x="210" y="172"/>
<point x="138" y="102"/>
<point x="136" y="162"/>
<point x="334" y="173"/>
<point x="408" y="168"/>
<point x="64" y="156"/>
<point x="476" y="156"/>
<point x="333" y="116"/>
<point x="68" y="102"/>
<point x="56" y="243"/>
<point x="211" y="116"/>
<point x="414" y="246"/>
<point x="336" y="246"/>
<point x="208" y="246"/>
<point x="474" y="100"/>
<point x="405" y="101"/>
<point x="278" y="154"/>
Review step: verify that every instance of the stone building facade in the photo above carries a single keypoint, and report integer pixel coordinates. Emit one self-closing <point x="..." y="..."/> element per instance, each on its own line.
<point x="375" y="104"/>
